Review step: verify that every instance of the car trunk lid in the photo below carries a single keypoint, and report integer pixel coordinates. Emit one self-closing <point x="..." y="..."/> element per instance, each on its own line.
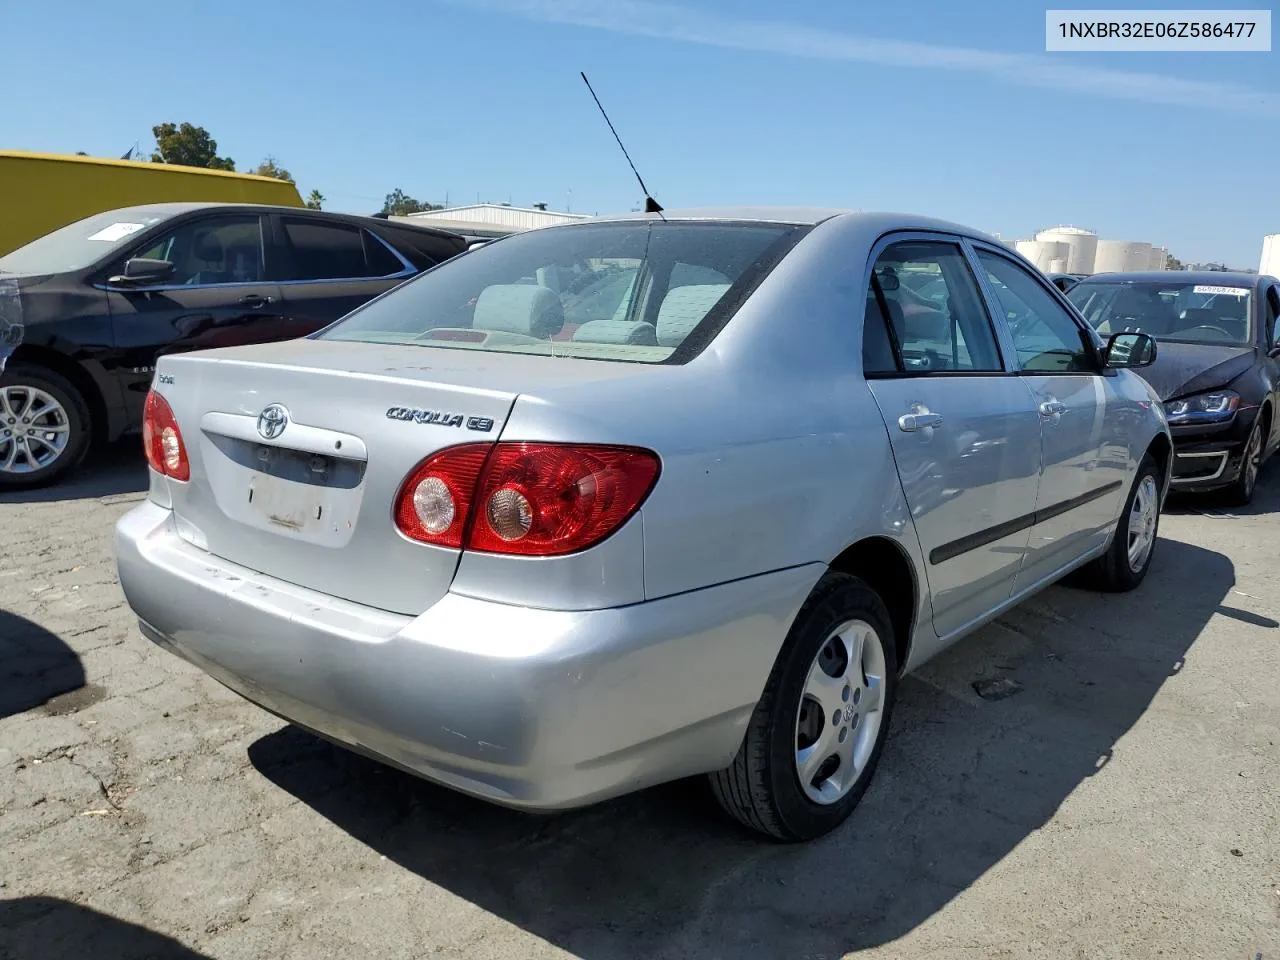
<point x="295" y="465"/>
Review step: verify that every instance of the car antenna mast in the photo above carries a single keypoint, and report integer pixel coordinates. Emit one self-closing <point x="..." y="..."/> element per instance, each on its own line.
<point x="650" y="205"/>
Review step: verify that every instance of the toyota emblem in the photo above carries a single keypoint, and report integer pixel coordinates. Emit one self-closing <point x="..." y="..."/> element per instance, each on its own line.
<point x="272" y="421"/>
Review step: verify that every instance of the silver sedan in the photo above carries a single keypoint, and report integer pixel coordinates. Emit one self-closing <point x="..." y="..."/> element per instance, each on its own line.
<point x="603" y="505"/>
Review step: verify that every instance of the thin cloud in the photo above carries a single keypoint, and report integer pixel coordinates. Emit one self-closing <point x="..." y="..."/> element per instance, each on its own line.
<point x="672" y="22"/>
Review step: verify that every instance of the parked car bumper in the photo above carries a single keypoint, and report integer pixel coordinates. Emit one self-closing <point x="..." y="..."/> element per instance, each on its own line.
<point x="536" y="709"/>
<point x="1209" y="459"/>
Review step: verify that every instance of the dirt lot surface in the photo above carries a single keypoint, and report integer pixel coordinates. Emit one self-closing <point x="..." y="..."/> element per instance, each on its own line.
<point x="1124" y="802"/>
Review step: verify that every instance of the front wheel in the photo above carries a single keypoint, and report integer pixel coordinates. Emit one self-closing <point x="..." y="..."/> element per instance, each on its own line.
<point x="816" y="734"/>
<point x="1127" y="560"/>
<point x="1240" y="493"/>
<point x="44" y="426"/>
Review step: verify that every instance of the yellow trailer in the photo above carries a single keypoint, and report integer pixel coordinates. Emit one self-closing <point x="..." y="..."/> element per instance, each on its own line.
<point x="40" y="192"/>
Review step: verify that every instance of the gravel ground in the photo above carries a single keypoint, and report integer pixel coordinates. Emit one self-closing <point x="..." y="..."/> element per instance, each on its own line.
<point x="1124" y="802"/>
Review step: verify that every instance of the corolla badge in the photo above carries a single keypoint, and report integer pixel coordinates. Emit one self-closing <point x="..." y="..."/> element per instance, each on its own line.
<point x="272" y="421"/>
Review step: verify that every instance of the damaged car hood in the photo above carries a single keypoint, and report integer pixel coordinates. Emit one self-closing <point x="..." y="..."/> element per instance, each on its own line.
<point x="1186" y="368"/>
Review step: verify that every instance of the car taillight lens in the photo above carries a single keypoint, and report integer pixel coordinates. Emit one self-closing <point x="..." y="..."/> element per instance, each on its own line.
<point x="162" y="440"/>
<point x="434" y="501"/>
<point x="530" y="499"/>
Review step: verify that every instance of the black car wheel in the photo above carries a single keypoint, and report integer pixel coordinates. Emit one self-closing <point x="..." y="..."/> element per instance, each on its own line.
<point x="44" y="426"/>
<point x="1240" y="493"/>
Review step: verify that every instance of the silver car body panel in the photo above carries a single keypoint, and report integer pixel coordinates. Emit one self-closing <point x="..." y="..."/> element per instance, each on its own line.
<point x="552" y="681"/>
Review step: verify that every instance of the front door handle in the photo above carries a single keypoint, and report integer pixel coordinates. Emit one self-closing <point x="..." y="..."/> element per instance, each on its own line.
<point x="254" y="301"/>
<point x="919" y="418"/>
<point x="1052" y="409"/>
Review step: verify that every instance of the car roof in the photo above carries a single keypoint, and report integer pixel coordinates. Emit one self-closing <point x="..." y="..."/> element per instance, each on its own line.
<point x="804" y="216"/>
<point x="175" y="208"/>
<point x="1215" y="278"/>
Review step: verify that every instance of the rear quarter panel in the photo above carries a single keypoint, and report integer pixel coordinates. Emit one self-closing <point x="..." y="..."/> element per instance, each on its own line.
<point x="774" y="454"/>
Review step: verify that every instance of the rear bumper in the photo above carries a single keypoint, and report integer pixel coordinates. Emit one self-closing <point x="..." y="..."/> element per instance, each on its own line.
<point x="535" y="709"/>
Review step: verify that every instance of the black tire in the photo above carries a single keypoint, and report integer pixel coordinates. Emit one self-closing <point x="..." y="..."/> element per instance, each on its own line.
<point x="1112" y="571"/>
<point x="762" y="787"/>
<point x="1240" y="493"/>
<point x="78" y="423"/>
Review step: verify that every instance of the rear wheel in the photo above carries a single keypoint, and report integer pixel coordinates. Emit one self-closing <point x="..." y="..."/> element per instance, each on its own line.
<point x="1127" y="560"/>
<point x="44" y="426"/>
<point x="816" y="734"/>
<point x="1240" y="493"/>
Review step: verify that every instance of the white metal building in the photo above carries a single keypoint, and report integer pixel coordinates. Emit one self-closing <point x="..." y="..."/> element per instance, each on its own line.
<point x="1121" y="256"/>
<point x="1051" y="256"/>
<point x="1082" y="246"/>
<point x="484" y="219"/>
<point x="1270" y="263"/>
<point x="1159" y="258"/>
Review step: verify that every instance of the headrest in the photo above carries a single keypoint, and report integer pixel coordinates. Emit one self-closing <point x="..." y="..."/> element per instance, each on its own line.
<point x="683" y="309"/>
<point x="208" y="247"/>
<point x="635" y="332"/>
<point x="924" y="324"/>
<point x="519" y="308"/>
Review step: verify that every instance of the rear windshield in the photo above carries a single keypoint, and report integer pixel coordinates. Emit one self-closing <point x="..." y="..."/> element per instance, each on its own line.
<point x="641" y="291"/>
<point x="81" y="244"/>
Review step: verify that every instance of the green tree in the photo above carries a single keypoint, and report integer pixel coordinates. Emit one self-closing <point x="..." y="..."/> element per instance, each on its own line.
<point x="1172" y="263"/>
<point x="315" y="201"/>
<point x="187" y="146"/>
<point x="81" y="153"/>
<point x="399" y="204"/>
<point x="269" y="168"/>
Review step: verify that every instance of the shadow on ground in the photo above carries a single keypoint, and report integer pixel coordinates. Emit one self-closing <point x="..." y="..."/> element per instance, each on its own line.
<point x="963" y="781"/>
<point x="118" y="469"/>
<point x="43" y="928"/>
<point x="36" y="666"/>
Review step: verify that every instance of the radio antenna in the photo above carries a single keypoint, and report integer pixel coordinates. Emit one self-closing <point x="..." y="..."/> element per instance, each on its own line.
<point x="650" y="205"/>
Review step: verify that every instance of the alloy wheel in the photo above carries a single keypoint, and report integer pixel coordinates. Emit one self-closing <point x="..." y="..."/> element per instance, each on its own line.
<point x="34" y="429"/>
<point x="1252" y="459"/>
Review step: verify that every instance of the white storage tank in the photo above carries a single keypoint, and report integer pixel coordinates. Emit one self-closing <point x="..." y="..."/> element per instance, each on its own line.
<point x="1042" y="253"/>
<point x="1058" y="265"/>
<point x="1270" y="263"/>
<point x="1121" y="256"/>
<point x="1159" y="258"/>
<point x="1082" y="246"/>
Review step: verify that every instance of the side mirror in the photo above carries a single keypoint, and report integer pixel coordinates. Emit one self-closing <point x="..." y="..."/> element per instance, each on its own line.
<point x="140" y="270"/>
<point x="1130" y="350"/>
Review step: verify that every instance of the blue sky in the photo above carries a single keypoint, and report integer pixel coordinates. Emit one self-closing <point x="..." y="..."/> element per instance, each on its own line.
<point x="942" y="108"/>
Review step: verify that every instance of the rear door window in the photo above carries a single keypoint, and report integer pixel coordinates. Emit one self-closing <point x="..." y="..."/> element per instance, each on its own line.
<point x="924" y="312"/>
<point x="332" y="251"/>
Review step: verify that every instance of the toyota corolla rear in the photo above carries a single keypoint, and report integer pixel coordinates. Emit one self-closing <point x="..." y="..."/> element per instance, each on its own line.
<point x="421" y="532"/>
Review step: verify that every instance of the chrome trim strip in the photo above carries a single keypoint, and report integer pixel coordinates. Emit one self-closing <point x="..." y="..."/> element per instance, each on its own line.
<point x="1222" y="466"/>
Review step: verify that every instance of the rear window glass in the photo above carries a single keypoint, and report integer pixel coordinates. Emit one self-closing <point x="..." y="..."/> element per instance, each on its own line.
<point x="330" y="251"/>
<point x="636" y="290"/>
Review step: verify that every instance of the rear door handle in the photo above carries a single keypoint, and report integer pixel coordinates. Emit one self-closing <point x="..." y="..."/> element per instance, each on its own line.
<point x="1053" y="409"/>
<point x="919" y="418"/>
<point x="254" y="300"/>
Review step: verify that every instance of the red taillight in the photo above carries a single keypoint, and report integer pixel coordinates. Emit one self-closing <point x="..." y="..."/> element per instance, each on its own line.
<point x="531" y="499"/>
<point x="434" y="501"/>
<point x="162" y="440"/>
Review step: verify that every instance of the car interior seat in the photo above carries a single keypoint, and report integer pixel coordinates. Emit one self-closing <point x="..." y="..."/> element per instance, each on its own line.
<point x="528" y="309"/>
<point x="209" y="252"/>
<point x="683" y="309"/>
